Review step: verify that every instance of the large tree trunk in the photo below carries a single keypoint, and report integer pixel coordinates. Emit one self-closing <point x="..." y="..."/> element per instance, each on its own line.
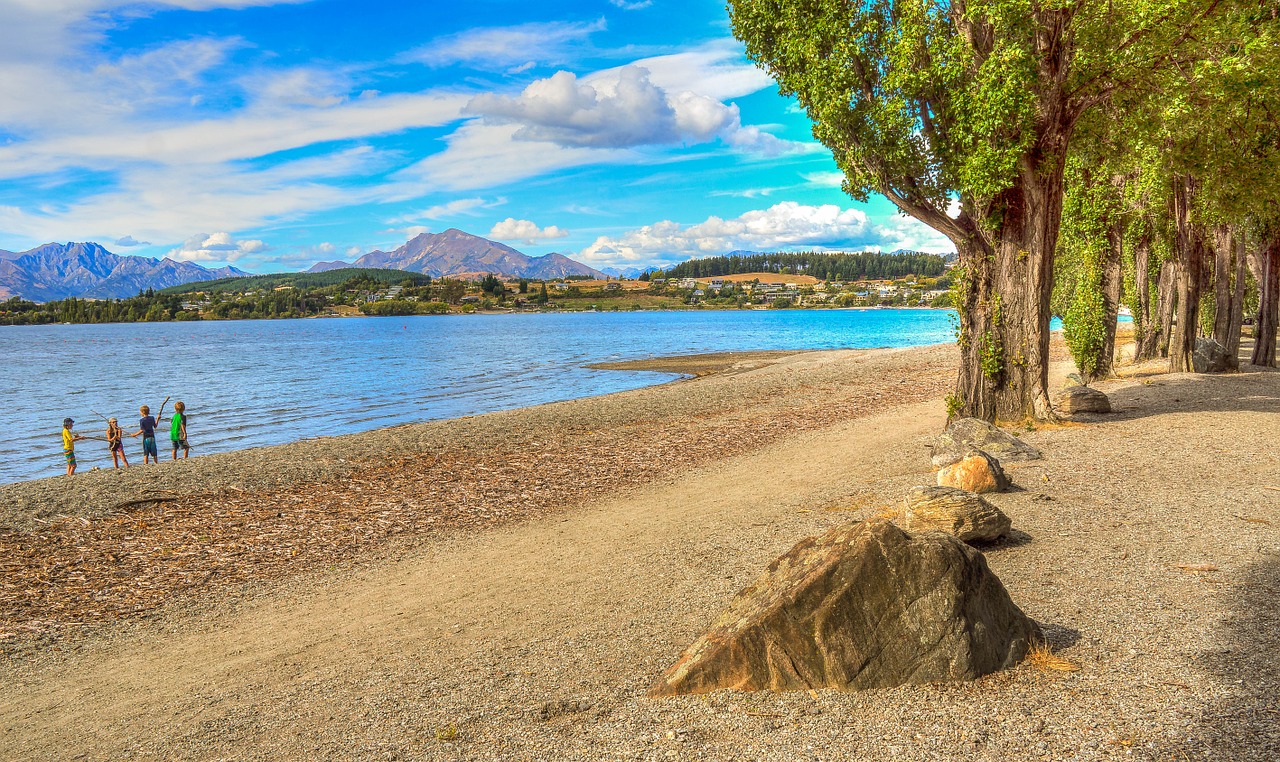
<point x="1230" y="276"/>
<point x="1004" y="317"/>
<point x="1187" y="278"/>
<point x="1264" y="332"/>
<point x="1112" y="287"/>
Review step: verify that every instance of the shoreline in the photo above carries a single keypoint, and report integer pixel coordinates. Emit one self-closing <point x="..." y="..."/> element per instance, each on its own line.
<point x="514" y="599"/>
<point x="687" y="366"/>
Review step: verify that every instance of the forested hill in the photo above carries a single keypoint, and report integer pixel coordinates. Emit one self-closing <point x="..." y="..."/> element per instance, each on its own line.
<point x="301" y="280"/>
<point x="823" y="266"/>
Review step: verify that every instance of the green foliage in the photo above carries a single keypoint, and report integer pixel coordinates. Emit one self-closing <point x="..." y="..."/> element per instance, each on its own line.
<point x="400" y="307"/>
<point x="823" y="266"/>
<point x="1085" y="324"/>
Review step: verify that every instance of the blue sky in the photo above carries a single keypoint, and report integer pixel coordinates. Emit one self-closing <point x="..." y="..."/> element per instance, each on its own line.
<point x="271" y="135"/>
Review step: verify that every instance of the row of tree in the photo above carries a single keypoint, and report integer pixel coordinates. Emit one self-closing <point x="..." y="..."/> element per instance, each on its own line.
<point x="1078" y="154"/>
<point x="821" y="265"/>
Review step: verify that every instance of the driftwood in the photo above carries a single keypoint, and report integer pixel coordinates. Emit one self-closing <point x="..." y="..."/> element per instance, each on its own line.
<point x="160" y="414"/>
<point x="142" y="501"/>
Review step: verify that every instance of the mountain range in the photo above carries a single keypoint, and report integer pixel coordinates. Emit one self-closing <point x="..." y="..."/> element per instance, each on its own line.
<point x="59" y="271"/>
<point x="456" y="253"/>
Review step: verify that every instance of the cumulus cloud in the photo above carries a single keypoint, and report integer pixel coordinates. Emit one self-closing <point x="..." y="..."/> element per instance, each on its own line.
<point x="524" y="231"/>
<point x="218" y="247"/>
<point x="624" y="112"/>
<point x="129" y="242"/>
<point x="502" y="48"/>
<point x="787" y="225"/>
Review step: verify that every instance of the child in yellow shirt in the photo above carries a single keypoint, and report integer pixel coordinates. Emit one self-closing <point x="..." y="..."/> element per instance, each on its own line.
<point x="69" y="444"/>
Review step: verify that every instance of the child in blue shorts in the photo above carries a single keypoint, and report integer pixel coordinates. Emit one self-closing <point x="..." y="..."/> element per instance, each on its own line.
<point x="147" y="428"/>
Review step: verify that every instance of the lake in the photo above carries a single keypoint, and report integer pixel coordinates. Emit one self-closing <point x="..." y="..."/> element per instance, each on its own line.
<point x="253" y="383"/>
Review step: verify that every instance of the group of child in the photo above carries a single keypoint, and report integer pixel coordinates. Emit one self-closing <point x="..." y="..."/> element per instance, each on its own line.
<point x="146" y="429"/>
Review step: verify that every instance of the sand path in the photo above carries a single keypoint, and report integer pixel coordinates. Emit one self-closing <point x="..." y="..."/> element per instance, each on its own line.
<point x="537" y="641"/>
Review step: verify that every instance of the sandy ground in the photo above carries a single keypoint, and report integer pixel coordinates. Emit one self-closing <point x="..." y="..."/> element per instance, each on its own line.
<point x="537" y="639"/>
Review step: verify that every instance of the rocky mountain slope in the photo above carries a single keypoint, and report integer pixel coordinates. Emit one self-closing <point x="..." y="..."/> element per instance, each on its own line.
<point x="59" y="271"/>
<point x="454" y="251"/>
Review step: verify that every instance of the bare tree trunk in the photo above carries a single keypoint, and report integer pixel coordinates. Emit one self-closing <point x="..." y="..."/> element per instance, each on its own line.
<point x="1236" y="320"/>
<point x="1166" y="304"/>
<point x="1004" y="317"/>
<point x="1187" y="277"/>
<point x="1224" y="249"/>
<point x="1144" y="318"/>
<point x="1264" y="333"/>
<point x="1112" y="287"/>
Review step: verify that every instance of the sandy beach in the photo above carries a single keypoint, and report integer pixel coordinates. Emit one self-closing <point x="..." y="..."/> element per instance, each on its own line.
<point x="507" y="586"/>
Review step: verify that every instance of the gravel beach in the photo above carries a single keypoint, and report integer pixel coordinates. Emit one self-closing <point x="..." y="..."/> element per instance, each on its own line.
<point x="508" y="586"/>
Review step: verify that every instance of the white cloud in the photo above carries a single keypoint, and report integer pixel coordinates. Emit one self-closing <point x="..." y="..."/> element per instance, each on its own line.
<point x="353" y="251"/>
<point x="218" y="247"/>
<point x="627" y="5"/>
<point x="502" y="48"/>
<point x="129" y="242"/>
<point x="524" y="231"/>
<point x="787" y="225"/>
<point x="629" y="111"/>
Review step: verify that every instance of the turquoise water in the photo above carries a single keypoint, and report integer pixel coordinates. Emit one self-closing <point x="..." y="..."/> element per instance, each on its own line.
<point x="253" y="383"/>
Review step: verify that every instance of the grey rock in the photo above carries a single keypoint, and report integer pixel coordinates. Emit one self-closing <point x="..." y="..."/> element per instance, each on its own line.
<point x="965" y="435"/>
<point x="1081" y="399"/>
<point x="1212" y="357"/>
<point x="866" y="605"/>
<point x="963" y="514"/>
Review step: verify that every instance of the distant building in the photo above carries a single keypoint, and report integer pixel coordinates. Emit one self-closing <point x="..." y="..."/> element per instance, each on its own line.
<point x="613" y="286"/>
<point x="687" y="283"/>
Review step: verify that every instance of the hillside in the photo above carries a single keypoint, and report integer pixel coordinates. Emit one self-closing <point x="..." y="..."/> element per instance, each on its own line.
<point x="331" y="277"/>
<point x="454" y="252"/>
<point x="86" y="270"/>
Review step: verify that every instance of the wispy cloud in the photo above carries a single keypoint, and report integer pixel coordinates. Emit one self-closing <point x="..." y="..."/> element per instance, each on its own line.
<point x="552" y="43"/>
<point x="629" y="5"/>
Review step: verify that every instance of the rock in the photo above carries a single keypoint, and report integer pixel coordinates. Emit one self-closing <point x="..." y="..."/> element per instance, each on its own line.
<point x="1074" y="379"/>
<point x="975" y="472"/>
<point x="1212" y="357"/>
<point x="963" y="514"/>
<point x="967" y="434"/>
<point x="866" y="605"/>
<point x="1081" y="399"/>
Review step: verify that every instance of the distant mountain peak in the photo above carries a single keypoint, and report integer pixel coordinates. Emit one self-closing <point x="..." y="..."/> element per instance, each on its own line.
<point x="55" y="271"/>
<point x="455" y="252"/>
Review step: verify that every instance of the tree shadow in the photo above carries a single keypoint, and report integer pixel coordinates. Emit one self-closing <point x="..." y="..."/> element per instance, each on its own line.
<point x="1255" y="390"/>
<point x="1244" y="666"/>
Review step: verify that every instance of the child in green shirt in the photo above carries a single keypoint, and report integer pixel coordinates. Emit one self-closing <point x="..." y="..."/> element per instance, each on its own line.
<point x="178" y="430"/>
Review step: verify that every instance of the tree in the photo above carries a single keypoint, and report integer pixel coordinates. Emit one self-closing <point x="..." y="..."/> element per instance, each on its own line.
<point x="927" y="102"/>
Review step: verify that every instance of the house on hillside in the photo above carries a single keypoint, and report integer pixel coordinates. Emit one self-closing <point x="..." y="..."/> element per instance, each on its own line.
<point x="687" y="283"/>
<point x="613" y="286"/>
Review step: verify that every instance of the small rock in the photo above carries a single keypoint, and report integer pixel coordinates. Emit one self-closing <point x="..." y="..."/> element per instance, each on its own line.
<point x="1212" y="357"/>
<point x="1074" y="379"/>
<point x="967" y="434"/>
<point x="966" y="515"/>
<point x="975" y="472"/>
<point x="1081" y="399"/>
<point x="866" y="605"/>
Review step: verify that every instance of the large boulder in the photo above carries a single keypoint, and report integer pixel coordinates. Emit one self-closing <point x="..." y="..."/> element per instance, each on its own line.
<point x="967" y="434"/>
<point x="1212" y="357"/>
<point x="963" y="514"/>
<point x="975" y="472"/>
<point x="866" y="605"/>
<point x="1081" y="399"/>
